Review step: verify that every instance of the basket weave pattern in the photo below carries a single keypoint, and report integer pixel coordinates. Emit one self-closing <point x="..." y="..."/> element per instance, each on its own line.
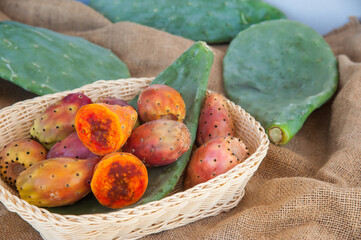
<point x="182" y="207"/>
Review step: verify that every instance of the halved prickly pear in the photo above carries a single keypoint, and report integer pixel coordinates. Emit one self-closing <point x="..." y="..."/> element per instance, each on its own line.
<point x="57" y="181"/>
<point x="104" y="128"/>
<point x="159" y="142"/>
<point x="213" y="158"/>
<point x="72" y="147"/>
<point x="119" y="180"/>
<point x="18" y="156"/>
<point x="215" y="119"/>
<point x="160" y="101"/>
<point x="57" y="121"/>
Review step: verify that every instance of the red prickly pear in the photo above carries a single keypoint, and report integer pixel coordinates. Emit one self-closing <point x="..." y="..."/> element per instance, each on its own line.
<point x="160" y="101"/>
<point x="72" y="147"/>
<point x="215" y="119"/>
<point x="104" y="128"/>
<point x="18" y="156"/>
<point x="57" y="121"/>
<point x="119" y="180"/>
<point x="213" y="158"/>
<point x="56" y="181"/>
<point x="113" y="101"/>
<point x="159" y="142"/>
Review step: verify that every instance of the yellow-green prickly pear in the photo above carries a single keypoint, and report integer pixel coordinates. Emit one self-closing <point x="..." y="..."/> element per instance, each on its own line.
<point x="57" y="181"/>
<point x="17" y="156"/>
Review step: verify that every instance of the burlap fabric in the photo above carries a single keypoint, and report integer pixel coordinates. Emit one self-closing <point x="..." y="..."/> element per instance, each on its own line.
<point x="309" y="189"/>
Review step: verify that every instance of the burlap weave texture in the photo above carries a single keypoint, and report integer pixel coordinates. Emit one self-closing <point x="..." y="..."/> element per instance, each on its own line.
<point x="309" y="189"/>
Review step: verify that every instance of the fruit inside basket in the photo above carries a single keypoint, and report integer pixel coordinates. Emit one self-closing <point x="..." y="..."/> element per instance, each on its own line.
<point x="165" y="204"/>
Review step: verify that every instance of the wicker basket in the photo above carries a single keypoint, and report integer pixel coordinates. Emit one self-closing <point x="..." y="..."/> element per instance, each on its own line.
<point x="179" y="208"/>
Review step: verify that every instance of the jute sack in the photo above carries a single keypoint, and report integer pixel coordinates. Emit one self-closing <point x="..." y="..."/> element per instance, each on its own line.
<point x="309" y="189"/>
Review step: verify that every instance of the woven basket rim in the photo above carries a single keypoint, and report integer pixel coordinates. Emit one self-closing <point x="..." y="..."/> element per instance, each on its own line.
<point x="152" y="206"/>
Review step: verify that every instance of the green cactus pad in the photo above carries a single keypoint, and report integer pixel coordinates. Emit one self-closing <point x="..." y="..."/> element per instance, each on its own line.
<point x="280" y="71"/>
<point x="42" y="61"/>
<point x="189" y="76"/>
<point x="199" y="20"/>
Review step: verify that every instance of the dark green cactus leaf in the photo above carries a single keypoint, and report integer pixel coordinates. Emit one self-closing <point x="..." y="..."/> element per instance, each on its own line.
<point x="280" y="71"/>
<point x="189" y="76"/>
<point x="199" y="20"/>
<point x="42" y="61"/>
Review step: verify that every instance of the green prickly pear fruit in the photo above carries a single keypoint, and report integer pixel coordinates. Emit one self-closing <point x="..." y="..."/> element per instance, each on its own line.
<point x="280" y="71"/>
<point x="199" y="20"/>
<point x="18" y="156"/>
<point x="213" y="158"/>
<point x="42" y="61"/>
<point x="159" y="101"/>
<point x="159" y="142"/>
<point x="56" y="182"/>
<point x="215" y="119"/>
<point x="57" y="121"/>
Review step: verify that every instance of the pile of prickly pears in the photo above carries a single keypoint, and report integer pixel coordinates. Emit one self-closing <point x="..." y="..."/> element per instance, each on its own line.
<point x="78" y="146"/>
<point x="219" y="150"/>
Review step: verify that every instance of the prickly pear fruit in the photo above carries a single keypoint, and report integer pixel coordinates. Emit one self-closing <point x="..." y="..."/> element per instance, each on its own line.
<point x="120" y="102"/>
<point x="57" y="121"/>
<point x="104" y="128"/>
<point x="119" y="180"/>
<point x="18" y="156"/>
<point x="213" y="158"/>
<point x="160" y="101"/>
<point x="72" y="147"/>
<point x="131" y="114"/>
<point x="112" y="101"/>
<point x="159" y="142"/>
<point x="215" y="119"/>
<point x="56" y="182"/>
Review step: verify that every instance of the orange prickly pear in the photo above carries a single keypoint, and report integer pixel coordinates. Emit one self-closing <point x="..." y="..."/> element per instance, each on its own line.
<point x="104" y="128"/>
<point x="17" y="156"/>
<point x="119" y="180"/>
<point x="121" y="102"/>
<point x="160" y="101"/>
<point x="57" y="121"/>
<point x="159" y="142"/>
<point x="213" y="158"/>
<point x="214" y="120"/>
<point x="131" y="115"/>
<point x="57" y="181"/>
